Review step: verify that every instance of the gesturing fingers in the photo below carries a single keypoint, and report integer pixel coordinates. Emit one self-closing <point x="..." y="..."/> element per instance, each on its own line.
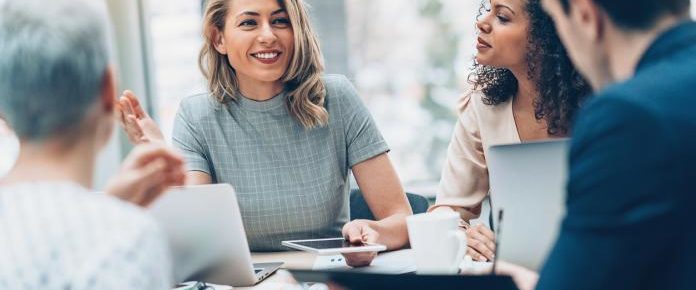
<point x="134" y="104"/>
<point x="353" y="233"/>
<point x="369" y="235"/>
<point x="484" y="230"/>
<point x="481" y="244"/>
<point x="475" y="255"/>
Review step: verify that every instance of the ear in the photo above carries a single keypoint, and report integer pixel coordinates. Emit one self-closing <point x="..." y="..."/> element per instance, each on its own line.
<point x="108" y="91"/>
<point x="103" y="113"/>
<point x="589" y="19"/>
<point x="219" y="41"/>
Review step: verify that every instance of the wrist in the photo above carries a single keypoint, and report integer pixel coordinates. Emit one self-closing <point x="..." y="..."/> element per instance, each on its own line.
<point x="152" y="140"/>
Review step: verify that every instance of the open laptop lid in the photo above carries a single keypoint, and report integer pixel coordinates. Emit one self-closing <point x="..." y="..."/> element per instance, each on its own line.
<point x="205" y="229"/>
<point x="528" y="181"/>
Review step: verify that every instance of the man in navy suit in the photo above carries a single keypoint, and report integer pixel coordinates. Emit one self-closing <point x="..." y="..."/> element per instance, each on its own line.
<point x="632" y="184"/>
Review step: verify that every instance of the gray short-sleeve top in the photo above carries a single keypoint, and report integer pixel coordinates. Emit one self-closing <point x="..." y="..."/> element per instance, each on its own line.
<point x="291" y="182"/>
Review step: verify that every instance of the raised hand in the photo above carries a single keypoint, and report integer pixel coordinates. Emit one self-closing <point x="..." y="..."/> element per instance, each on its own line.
<point x="139" y="127"/>
<point x="146" y="173"/>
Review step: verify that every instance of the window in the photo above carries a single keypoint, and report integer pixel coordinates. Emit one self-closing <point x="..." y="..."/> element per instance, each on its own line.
<point x="410" y="74"/>
<point x="176" y="40"/>
<point x="413" y="106"/>
<point x="409" y="64"/>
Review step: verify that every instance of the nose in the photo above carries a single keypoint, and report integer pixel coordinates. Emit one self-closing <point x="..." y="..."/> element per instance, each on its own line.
<point x="483" y="26"/>
<point x="267" y="35"/>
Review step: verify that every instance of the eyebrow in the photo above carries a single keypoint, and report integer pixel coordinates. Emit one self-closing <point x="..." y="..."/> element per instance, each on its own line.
<point x="498" y="6"/>
<point x="254" y="13"/>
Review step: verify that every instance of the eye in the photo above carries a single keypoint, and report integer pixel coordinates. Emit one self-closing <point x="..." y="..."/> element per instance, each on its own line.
<point x="247" y="23"/>
<point x="502" y="18"/>
<point x="281" y="22"/>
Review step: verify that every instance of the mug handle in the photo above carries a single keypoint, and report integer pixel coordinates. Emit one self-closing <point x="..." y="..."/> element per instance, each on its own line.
<point x="460" y="238"/>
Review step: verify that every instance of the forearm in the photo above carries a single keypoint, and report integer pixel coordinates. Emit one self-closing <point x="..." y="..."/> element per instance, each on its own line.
<point x="385" y="197"/>
<point x="466" y="214"/>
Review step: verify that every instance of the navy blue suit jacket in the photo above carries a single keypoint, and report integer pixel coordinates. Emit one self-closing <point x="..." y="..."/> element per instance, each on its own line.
<point x="631" y="201"/>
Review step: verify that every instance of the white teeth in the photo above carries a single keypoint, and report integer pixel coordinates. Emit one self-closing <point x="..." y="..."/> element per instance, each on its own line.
<point x="269" y="55"/>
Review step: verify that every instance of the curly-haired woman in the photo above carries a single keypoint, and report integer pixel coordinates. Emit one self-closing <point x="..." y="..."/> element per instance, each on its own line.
<point x="284" y="135"/>
<point x="524" y="88"/>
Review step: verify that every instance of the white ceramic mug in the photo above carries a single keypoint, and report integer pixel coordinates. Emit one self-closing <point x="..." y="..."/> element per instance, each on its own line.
<point x="437" y="242"/>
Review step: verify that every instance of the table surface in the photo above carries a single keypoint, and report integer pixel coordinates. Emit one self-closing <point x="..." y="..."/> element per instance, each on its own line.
<point x="390" y="262"/>
<point x="281" y="279"/>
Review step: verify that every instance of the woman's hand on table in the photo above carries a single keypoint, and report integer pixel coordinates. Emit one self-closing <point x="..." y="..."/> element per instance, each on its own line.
<point x="480" y="243"/>
<point x="360" y="232"/>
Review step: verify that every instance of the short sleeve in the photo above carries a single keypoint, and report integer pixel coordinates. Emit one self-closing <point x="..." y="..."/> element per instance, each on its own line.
<point x="464" y="182"/>
<point x="363" y="139"/>
<point x="189" y="141"/>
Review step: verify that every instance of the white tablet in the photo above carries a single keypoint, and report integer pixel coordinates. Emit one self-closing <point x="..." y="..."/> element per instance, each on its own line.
<point x="332" y="246"/>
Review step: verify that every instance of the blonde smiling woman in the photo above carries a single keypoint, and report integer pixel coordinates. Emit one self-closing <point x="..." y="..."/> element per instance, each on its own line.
<point x="283" y="134"/>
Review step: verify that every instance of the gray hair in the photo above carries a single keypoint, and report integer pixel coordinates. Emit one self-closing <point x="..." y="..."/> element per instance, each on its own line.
<point x="53" y="59"/>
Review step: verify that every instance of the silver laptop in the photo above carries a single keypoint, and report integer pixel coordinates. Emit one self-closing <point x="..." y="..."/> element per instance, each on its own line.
<point x="207" y="236"/>
<point x="528" y="182"/>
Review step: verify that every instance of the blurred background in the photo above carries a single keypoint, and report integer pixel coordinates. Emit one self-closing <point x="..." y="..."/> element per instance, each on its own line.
<point x="408" y="59"/>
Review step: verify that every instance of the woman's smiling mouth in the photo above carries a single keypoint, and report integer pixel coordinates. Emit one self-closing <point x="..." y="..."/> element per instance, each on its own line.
<point x="267" y="56"/>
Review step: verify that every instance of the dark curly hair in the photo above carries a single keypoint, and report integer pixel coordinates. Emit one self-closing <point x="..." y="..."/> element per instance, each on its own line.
<point x="561" y="88"/>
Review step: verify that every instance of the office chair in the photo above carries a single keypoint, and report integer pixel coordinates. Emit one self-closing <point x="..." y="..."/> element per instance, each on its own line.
<point x="360" y="210"/>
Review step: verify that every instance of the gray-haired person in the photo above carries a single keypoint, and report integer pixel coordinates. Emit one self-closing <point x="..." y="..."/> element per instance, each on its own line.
<point x="58" y="95"/>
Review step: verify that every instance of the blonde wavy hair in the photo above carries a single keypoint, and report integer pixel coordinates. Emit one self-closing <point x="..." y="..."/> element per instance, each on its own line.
<point x="302" y="79"/>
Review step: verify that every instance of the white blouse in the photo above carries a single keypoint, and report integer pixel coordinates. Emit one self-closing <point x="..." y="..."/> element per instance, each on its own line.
<point x="464" y="183"/>
<point x="58" y="235"/>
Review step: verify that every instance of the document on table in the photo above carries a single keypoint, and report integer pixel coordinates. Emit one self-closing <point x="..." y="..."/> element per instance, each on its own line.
<point x="396" y="262"/>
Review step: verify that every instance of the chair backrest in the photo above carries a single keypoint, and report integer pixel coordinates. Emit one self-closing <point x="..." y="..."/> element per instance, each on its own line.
<point x="360" y="210"/>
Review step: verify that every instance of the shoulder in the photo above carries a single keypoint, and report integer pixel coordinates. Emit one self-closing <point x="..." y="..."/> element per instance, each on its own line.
<point x="340" y="93"/>
<point x="336" y="83"/>
<point x="108" y="211"/>
<point x="619" y="103"/>
<point x="468" y="106"/>
<point x="472" y="108"/>
<point x="196" y="107"/>
<point x="198" y="100"/>
<point x="70" y="205"/>
<point x="124" y="228"/>
<point x="118" y="214"/>
<point x="621" y="118"/>
<point x="469" y="100"/>
<point x="339" y="87"/>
